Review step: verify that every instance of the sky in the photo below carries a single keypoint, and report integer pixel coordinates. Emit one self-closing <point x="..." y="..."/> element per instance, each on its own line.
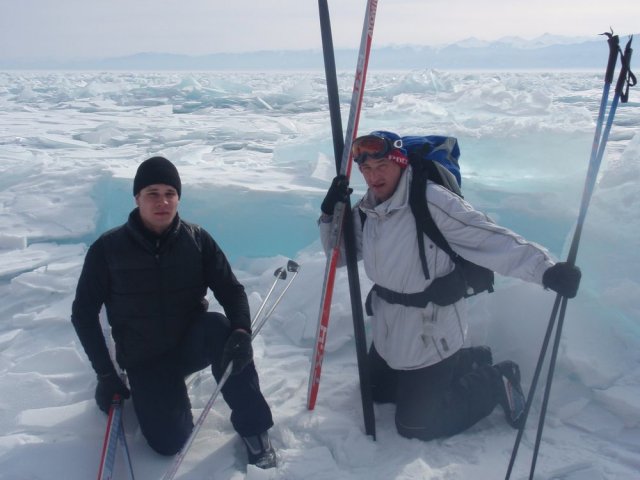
<point x="78" y="29"/>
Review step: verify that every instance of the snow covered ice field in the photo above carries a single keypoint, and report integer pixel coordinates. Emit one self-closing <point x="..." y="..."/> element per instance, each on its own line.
<point x="255" y="155"/>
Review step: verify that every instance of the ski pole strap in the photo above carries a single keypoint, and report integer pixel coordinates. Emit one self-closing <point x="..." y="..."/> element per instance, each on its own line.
<point x="626" y="78"/>
<point x="445" y="290"/>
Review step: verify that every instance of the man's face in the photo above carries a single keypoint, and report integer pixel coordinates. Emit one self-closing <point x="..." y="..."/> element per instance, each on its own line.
<point x="382" y="176"/>
<point x="158" y="204"/>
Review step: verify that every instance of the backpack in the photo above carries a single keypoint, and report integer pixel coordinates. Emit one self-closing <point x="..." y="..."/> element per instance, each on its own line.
<point x="435" y="158"/>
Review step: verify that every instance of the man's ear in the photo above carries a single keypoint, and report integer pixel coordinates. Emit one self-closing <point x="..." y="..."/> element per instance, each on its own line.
<point x="137" y="197"/>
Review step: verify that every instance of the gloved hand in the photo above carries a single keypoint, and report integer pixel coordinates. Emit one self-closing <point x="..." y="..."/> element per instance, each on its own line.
<point x="108" y="385"/>
<point x="562" y="278"/>
<point x="339" y="191"/>
<point x="237" y="349"/>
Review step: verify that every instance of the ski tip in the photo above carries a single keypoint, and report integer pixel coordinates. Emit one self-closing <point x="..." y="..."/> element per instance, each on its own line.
<point x="280" y="273"/>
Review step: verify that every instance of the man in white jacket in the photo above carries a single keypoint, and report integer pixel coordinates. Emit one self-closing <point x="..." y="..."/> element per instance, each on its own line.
<point x="419" y="359"/>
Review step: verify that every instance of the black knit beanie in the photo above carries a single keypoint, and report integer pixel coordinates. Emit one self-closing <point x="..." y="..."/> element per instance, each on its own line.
<point x="156" y="170"/>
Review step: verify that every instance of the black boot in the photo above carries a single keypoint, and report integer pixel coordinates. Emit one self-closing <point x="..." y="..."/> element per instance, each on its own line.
<point x="510" y="393"/>
<point x="481" y="356"/>
<point x="470" y="359"/>
<point x="259" y="450"/>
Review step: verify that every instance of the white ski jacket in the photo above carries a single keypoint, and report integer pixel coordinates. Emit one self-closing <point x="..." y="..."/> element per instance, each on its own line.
<point x="408" y="337"/>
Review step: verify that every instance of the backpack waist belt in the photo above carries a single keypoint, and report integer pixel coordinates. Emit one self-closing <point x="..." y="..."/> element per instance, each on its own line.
<point x="443" y="291"/>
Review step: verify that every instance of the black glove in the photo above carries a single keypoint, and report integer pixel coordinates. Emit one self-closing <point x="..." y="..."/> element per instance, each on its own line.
<point x="238" y="350"/>
<point x="108" y="385"/>
<point x="562" y="278"/>
<point x="339" y="191"/>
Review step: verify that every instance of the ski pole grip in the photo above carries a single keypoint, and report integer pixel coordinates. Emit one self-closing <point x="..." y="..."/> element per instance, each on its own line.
<point x="292" y="266"/>
<point x="614" y="42"/>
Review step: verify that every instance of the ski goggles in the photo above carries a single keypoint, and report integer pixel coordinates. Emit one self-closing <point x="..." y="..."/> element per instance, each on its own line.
<point x="376" y="147"/>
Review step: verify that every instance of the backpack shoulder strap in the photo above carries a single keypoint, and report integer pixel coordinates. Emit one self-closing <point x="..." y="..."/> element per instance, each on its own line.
<point x="363" y="216"/>
<point x="423" y="170"/>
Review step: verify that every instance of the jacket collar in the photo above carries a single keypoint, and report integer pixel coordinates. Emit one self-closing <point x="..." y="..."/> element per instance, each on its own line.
<point x="146" y="237"/>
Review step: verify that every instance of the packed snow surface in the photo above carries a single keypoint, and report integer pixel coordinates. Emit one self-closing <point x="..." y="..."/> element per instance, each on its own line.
<point x="255" y="155"/>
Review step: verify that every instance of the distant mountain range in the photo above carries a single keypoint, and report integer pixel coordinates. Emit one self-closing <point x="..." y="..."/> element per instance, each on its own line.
<point x="544" y="52"/>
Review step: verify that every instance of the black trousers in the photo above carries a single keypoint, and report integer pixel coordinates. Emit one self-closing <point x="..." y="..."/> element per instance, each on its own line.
<point x="160" y="396"/>
<point x="442" y="399"/>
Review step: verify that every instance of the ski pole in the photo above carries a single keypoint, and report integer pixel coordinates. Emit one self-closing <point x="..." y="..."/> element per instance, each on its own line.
<point x="111" y="437"/>
<point x="342" y="219"/>
<point x="561" y="302"/>
<point x="280" y="273"/>
<point x="114" y="432"/>
<point x="613" y="42"/>
<point x="194" y="379"/>
<point x="125" y="446"/>
<point x="292" y="267"/>
<point x="625" y="76"/>
<point x="573" y="251"/>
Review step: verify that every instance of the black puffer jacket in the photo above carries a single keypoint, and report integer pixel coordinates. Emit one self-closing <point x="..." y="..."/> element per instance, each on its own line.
<point x="153" y="288"/>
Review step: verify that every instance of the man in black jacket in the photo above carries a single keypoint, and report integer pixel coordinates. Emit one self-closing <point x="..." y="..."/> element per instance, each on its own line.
<point x="152" y="274"/>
